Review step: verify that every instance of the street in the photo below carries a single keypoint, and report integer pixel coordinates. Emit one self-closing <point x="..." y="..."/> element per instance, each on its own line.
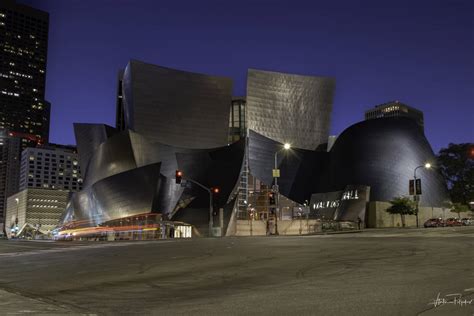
<point x="374" y="272"/>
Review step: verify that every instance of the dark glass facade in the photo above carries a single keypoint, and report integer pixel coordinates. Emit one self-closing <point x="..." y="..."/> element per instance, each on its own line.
<point x="10" y="153"/>
<point x="237" y="119"/>
<point x="119" y="114"/>
<point x="23" y="53"/>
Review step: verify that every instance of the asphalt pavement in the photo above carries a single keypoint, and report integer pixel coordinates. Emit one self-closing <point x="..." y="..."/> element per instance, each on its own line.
<point x="373" y="272"/>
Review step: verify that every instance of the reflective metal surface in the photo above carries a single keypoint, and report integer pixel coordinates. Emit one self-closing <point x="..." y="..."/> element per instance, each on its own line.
<point x="383" y="153"/>
<point x="88" y="138"/>
<point x="380" y="153"/>
<point x="129" y="174"/>
<point x="290" y="108"/>
<point x="175" y="107"/>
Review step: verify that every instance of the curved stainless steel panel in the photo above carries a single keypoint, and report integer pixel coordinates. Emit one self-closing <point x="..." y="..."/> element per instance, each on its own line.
<point x="175" y="107"/>
<point x="121" y="195"/>
<point x="290" y="108"/>
<point x="111" y="157"/>
<point x="383" y="153"/>
<point x="88" y="138"/>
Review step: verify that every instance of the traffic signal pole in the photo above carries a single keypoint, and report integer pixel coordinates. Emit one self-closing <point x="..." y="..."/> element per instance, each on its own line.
<point x="211" y="219"/>
<point x="416" y="201"/>
<point x="209" y="190"/>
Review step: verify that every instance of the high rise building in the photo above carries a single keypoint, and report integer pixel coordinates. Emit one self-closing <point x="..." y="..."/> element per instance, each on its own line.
<point x="10" y="149"/>
<point x="50" y="167"/>
<point x="24" y="112"/>
<point x="394" y="109"/>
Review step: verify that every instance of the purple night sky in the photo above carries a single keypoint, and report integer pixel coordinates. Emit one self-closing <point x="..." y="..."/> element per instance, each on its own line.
<point x="418" y="52"/>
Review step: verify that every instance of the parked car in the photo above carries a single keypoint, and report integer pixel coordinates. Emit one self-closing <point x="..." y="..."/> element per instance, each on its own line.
<point x="453" y="222"/>
<point x="434" y="222"/>
<point x="467" y="221"/>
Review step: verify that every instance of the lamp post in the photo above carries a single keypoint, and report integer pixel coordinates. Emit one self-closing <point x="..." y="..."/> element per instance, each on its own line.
<point x="17" y="200"/>
<point x="276" y="174"/>
<point x="415" y="191"/>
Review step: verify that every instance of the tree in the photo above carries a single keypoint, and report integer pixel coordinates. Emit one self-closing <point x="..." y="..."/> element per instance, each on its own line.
<point x="459" y="208"/>
<point x="457" y="167"/>
<point x="403" y="206"/>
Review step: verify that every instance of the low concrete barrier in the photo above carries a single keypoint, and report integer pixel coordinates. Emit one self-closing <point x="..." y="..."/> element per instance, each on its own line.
<point x="285" y="227"/>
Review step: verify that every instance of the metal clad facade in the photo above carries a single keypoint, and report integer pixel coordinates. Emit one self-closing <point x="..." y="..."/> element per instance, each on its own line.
<point x="290" y="108"/>
<point x="175" y="107"/>
<point x="383" y="154"/>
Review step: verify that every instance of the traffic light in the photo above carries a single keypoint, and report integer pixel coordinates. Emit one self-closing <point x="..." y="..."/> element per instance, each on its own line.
<point x="215" y="200"/>
<point x="411" y="187"/>
<point x="179" y="176"/>
<point x="271" y="198"/>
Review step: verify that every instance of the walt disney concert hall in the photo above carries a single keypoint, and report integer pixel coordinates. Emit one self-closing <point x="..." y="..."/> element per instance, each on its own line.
<point x="233" y="149"/>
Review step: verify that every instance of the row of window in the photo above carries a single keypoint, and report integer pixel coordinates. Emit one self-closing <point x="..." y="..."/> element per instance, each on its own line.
<point x="42" y="200"/>
<point x="54" y="186"/>
<point x="50" y="155"/>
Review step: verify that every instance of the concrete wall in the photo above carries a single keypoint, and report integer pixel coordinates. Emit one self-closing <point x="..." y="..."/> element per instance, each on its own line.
<point x="377" y="215"/>
<point x="285" y="227"/>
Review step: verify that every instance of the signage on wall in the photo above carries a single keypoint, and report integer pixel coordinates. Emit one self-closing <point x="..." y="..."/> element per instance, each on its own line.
<point x="345" y="205"/>
<point x="346" y="195"/>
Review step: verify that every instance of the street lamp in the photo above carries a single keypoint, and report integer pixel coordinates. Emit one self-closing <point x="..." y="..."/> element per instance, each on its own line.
<point x="17" y="200"/>
<point x="415" y="195"/>
<point x="276" y="175"/>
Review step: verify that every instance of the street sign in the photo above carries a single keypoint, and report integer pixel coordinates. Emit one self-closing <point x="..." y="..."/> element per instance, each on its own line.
<point x="276" y="173"/>
<point x="186" y="184"/>
<point x="275" y="188"/>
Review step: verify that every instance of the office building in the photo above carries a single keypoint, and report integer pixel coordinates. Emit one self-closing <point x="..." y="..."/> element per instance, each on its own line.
<point x="395" y="109"/>
<point x="10" y="150"/>
<point x="50" y="167"/>
<point x="34" y="212"/>
<point x="24" y="112"/>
